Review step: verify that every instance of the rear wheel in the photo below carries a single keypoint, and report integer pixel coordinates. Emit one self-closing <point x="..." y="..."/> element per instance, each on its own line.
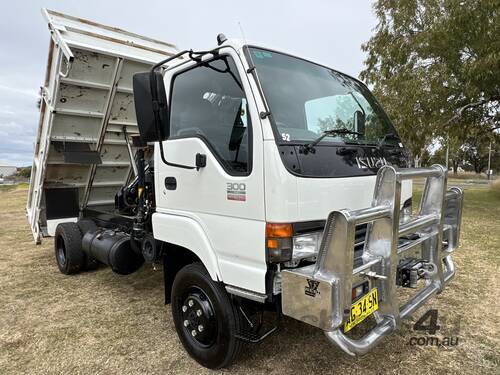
<point x="88" y="225"/>
<point x="205" y="318"/>
<point x="70" y="257"/>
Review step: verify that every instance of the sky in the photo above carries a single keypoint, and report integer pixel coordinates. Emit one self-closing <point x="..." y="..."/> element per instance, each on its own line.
<point x="326" y="31"/>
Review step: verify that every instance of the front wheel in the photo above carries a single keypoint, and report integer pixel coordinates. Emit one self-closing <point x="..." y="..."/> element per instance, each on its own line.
<point x="205" y="318"/>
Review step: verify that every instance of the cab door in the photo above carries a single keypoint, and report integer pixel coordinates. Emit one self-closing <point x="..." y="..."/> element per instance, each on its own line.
<point x="213" y="116"/>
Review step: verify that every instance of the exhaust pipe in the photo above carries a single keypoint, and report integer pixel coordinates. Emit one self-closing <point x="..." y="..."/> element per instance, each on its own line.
<point x="113" y="249"/>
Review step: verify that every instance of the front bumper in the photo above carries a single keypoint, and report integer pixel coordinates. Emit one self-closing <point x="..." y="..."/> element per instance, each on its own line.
<point x="321" y="294"/>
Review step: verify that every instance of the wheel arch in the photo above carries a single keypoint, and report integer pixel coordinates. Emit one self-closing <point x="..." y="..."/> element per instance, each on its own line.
<point x="175" y="258"/>
<point x="184" y="241"/>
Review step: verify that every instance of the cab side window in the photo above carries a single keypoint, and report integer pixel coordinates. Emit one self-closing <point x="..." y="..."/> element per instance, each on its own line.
<point x="208" y="102"/>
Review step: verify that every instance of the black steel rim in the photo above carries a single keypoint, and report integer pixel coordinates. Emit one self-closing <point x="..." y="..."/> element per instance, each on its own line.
<point x="198" y="317"/>
<point x="61" y="251"/>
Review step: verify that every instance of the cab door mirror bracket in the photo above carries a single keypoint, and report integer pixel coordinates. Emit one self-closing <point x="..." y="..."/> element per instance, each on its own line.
<point x="201" y="161"/>
<point x="151" y="107"/>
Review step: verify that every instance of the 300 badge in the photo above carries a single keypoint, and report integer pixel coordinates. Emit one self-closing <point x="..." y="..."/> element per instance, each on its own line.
<point x="236" y="191"/>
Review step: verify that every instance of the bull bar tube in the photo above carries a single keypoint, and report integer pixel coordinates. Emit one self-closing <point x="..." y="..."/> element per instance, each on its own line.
<point x="437" y="224"/>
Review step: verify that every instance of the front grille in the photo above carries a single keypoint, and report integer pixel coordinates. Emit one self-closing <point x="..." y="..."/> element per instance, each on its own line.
<point x="360" y="239"/>
<point x="359" y="243"/>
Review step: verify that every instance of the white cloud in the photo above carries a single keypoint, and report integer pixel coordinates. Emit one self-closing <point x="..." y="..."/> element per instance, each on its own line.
<point x="19" y="91"/>
<point x="6" y="111"/>
<point x="326" y="31"/>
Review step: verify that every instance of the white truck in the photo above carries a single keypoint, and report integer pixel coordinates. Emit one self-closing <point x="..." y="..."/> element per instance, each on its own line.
<point x="259" y="180"/>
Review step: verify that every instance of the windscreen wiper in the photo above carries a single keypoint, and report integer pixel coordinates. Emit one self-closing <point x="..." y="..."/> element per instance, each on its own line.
<point x="309" y="147"/>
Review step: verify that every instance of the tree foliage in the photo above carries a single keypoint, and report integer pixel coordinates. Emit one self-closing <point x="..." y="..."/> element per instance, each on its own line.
<point x="24" y="172"/>
<point x="434" y="65"/>
<point x="473" y="154"/>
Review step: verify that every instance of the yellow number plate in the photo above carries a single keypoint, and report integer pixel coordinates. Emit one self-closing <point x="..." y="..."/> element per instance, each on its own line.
<point x="362" y="308"/>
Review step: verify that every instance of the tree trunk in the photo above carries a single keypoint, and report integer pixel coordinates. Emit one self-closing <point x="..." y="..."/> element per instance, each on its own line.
<point x="416" y="161"/>
<point x="477" y="166"/>
<point x="455" y="166"/>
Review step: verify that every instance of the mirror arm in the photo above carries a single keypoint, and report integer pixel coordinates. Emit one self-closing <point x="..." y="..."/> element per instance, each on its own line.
<point x="191" y="53"/>
<point x="158" y="129"/>
<point x="157" y="104"/>
<point x="173" y="57"/>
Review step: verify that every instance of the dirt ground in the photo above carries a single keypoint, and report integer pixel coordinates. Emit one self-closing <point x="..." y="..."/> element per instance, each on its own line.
<point x="102" y="323"/>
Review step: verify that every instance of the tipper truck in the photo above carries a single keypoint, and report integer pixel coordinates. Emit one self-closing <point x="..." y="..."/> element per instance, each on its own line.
<point x="264" y="185"/>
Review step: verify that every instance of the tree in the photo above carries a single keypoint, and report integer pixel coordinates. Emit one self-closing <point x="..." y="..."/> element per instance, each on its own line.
<point x="474" y="154"/>
<point x="434" y="66"/>
<point x="328" y="122"/>
<point x="24" y="172"/>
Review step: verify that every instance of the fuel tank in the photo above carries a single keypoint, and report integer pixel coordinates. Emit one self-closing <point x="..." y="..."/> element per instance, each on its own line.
<point x="112" y="248"/>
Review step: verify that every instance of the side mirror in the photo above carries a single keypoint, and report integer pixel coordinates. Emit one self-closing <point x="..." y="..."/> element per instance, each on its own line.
<point x="359" y="122"/>
<point x="153" y="127"/>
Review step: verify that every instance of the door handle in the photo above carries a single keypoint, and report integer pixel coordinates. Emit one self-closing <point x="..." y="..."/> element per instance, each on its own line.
<point x="170" y="183"/>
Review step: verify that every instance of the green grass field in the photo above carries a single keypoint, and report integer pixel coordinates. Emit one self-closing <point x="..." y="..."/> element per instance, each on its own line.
<point x="102" y="323"/>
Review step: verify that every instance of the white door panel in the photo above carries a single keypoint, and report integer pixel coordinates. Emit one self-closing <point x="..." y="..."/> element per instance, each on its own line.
<point x="228" y="206"/>
<point x="205" y="190"/>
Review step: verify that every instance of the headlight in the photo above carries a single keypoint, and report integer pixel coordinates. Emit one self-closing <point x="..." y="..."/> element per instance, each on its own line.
<point x="306" y="245"/>
<point x="283" y="246"/>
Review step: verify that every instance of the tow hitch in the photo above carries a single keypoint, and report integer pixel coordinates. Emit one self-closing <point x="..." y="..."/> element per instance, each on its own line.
<point x="410" y="270"/>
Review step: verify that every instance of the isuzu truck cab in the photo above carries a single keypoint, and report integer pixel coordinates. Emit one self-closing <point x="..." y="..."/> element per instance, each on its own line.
<point x="260" y="181"/>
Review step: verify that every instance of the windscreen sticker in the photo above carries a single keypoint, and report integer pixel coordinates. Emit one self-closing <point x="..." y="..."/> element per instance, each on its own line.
<point x="236" y="191"/>
<point x="262" y="54"/>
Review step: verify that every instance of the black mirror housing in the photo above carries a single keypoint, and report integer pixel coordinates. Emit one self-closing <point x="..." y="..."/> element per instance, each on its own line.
<point x="359" y="122"/>
<point x="151" y="128"/>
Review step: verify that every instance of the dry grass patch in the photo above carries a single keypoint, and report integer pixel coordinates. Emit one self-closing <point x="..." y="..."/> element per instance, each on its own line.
<point x="495" y="185"/>
<point x="102" y="323"/>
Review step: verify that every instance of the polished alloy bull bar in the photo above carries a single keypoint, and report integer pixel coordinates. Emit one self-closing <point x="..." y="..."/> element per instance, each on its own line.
<point x="321" y="294"/>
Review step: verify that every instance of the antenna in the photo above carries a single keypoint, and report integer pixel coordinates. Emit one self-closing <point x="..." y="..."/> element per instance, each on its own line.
<point x="242" y="32"/>
<point x="246" y="43"/>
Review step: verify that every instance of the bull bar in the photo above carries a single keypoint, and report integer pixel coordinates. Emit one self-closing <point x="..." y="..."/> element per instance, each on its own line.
<point x="321" y="294"/>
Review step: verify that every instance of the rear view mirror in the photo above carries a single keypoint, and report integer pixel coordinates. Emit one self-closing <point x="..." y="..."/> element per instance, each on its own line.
<point x="152" y="128"/>
<point x="359" y="122"/>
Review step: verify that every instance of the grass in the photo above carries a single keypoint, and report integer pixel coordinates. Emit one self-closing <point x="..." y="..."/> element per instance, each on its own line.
<point x="102" y="323"/>
<point x="9" y="187"/>
<point x="495" y="185"/>
<point x="468" y="176"/>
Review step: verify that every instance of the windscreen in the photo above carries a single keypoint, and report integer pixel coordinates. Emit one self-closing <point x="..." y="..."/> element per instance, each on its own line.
<point x="306" y="99"/>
